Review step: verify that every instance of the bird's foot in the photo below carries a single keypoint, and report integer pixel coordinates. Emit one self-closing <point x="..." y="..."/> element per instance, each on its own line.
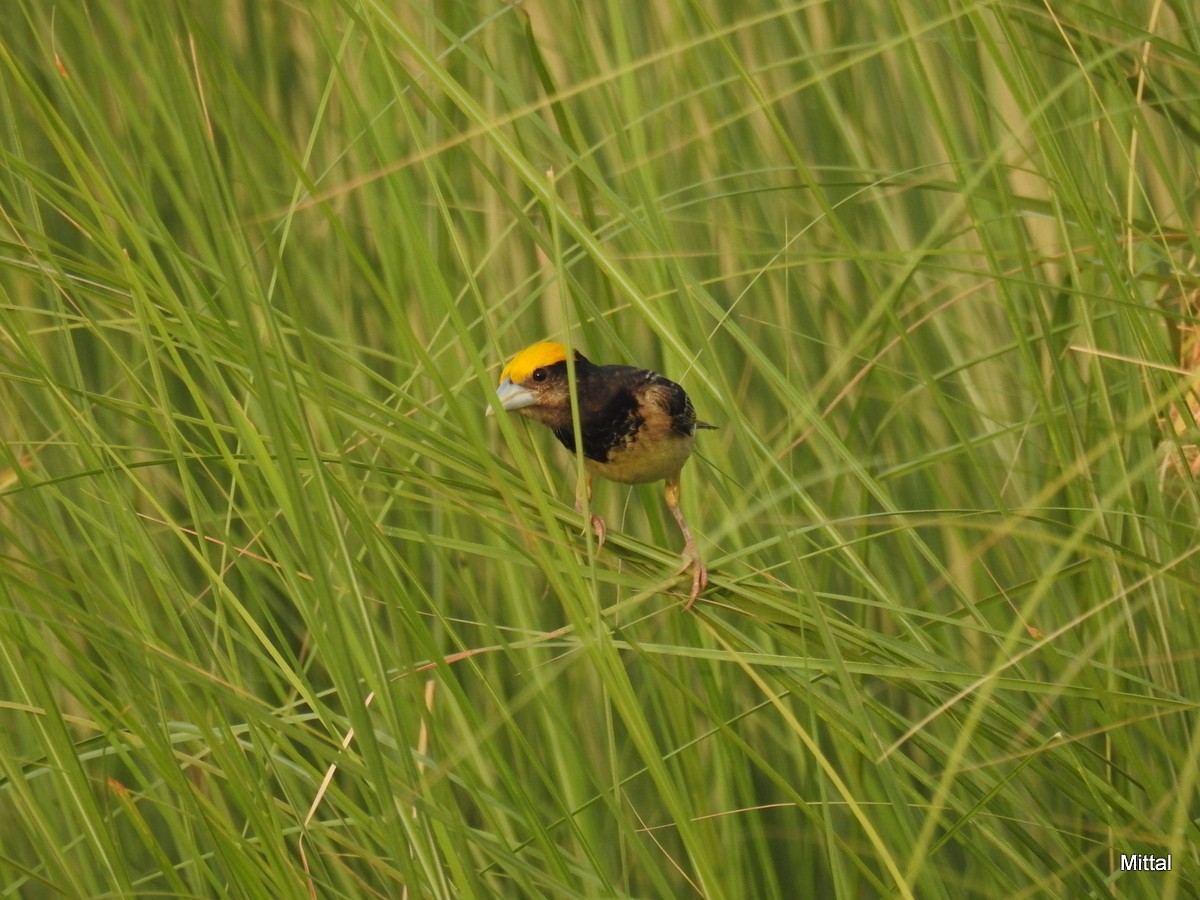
<point x="599" y="529"/>
<point x="597" y="525"/>
<point x="691" y="560"/>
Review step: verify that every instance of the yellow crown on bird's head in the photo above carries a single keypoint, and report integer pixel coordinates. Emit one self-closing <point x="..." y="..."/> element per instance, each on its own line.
<point x="543" y="353"/>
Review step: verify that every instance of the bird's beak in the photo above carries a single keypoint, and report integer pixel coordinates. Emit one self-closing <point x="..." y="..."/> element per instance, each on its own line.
<point x="512" y="397"/>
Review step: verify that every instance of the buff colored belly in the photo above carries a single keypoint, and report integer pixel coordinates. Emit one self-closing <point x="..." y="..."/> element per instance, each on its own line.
<point x="639" y="464"/>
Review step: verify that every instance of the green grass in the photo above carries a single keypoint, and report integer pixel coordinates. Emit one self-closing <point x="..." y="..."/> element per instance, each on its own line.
<point x="283" y="614"/>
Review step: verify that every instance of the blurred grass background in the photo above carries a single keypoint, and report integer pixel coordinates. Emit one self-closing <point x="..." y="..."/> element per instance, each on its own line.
<point x="283" y="615"/>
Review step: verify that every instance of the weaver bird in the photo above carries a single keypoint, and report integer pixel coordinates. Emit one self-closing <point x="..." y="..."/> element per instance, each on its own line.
<point x="636" y="425"/>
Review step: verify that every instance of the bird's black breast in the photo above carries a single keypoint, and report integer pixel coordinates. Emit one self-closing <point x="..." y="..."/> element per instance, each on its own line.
<point x="608" y="417"/>
<point x="615" y="404"/>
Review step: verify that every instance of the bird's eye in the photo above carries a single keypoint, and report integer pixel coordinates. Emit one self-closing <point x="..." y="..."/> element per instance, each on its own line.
<point x="539" y="374"/>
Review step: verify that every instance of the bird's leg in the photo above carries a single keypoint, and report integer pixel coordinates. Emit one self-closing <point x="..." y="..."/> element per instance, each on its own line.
<point x="691" y="557"/>
<point x="596" y="522"/>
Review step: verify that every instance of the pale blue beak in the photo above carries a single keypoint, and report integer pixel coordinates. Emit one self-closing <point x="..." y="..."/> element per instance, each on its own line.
<point x="512" y="397"/>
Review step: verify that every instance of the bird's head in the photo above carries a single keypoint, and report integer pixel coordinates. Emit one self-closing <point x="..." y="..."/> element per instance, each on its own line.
<point x="534" y="383"/>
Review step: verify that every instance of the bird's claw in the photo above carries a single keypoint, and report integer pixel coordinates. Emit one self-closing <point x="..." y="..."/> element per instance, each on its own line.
<point x="596" y="523"/>
<point x="699" y="575"/>
<point x="599" y="528"/>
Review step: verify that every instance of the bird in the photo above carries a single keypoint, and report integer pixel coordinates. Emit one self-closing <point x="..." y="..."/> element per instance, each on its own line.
<point x="636" y="426"/>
